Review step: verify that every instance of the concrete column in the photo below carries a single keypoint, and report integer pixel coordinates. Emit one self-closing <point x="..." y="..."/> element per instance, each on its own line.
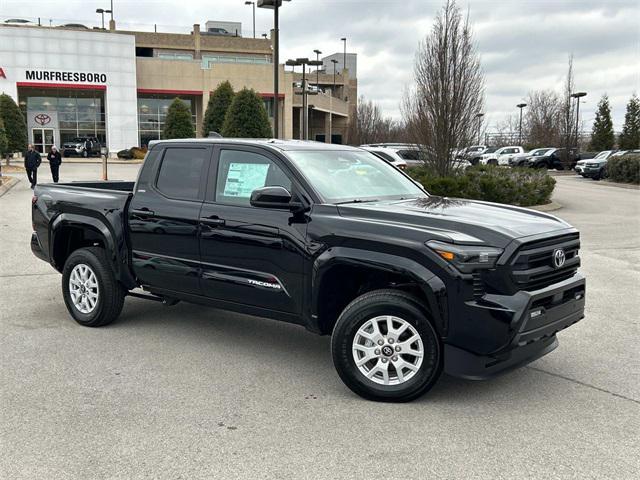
<point x="196" y="41"/>
<point x="112" y="25"/>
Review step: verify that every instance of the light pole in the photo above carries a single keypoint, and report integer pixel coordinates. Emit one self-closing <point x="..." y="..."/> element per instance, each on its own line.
<point x="578" y="96"/>
<point x="520" y="106"/>
<point x="333" y="92"/>
<point x="305" y="114"/>
<point x="344" y="55"/>
<point x="479" y="116"/>
<point x="275" y="4"/>
<point x="102" y="11"/>
<point x="253" y="4"/>
<point x="317" y="52"/>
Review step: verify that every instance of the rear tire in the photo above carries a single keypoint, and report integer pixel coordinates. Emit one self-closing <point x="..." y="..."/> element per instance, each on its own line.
<point x="90" y="289"/>
<point x="396" y="364"/>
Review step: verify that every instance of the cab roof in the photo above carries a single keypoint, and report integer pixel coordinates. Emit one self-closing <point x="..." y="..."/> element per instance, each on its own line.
<point x="284" y="145"/>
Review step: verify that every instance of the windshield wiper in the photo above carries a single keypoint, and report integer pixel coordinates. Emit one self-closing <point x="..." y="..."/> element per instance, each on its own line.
<point x="358" y="200"/>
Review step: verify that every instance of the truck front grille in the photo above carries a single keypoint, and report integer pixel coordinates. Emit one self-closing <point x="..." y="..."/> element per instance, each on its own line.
<point x="533" y="267"/>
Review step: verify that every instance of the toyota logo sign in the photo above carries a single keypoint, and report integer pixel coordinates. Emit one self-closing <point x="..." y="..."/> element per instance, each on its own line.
<point x="559" y="257"/>
<point x="42" y="119"/>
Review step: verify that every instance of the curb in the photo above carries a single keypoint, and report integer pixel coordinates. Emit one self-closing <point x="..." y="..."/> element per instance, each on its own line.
<point x="609" y="183"/>
<point x="6" y="186"/>
<point x="547" y="207"/>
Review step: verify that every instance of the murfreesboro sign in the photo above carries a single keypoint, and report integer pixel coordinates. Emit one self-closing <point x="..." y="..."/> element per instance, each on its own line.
<point x="74" y="77"/>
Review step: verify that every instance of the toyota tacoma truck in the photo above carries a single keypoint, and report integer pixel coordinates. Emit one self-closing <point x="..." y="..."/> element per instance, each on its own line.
<point x="329" y="237"/>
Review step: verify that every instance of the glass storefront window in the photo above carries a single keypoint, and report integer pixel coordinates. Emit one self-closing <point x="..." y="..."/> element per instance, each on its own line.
<point x="152" y="112"/>
<point x="77" y="112"/>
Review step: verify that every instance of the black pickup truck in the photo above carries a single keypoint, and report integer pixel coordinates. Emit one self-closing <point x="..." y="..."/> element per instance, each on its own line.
<point x="328" y="237"/>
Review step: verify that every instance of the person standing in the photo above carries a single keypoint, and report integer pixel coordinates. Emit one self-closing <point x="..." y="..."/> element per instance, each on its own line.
<point x="55" y="159"/>
<point x="32" y="161"/>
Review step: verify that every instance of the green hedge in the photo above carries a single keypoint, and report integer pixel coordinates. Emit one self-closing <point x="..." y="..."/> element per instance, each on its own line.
<point x="624" y="169"/>
<point x="515" y="186"/>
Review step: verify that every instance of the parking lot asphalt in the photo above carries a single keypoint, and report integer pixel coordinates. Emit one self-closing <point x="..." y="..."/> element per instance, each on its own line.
<point x="190" y="392"/>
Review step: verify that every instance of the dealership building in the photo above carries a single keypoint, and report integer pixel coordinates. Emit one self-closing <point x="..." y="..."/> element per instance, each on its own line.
<point x="117" y="85"/>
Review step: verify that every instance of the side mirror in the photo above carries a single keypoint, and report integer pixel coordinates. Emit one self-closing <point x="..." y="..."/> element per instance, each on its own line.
<point x="273" y="197"/>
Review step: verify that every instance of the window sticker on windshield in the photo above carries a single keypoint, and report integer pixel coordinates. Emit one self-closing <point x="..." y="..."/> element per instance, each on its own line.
<point x="244" y="178"/>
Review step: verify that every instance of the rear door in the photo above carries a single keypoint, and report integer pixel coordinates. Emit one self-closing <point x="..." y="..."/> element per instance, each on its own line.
<point x="250" y="256"/>
<point x="164" y="219"/>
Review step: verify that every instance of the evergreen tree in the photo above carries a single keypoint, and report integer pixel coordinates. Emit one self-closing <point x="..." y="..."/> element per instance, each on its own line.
<point x="247" y="117"/>
<point x="178" y="122"/>
<point x="219" y="103"/>
<point x="602" y="137"/>
<point x="630" y="136"/>
<point x="3" y="139"/>
<point x="14" y="125"/>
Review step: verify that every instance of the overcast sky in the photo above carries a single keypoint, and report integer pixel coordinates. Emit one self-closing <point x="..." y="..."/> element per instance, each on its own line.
<point x="524" y="45"/>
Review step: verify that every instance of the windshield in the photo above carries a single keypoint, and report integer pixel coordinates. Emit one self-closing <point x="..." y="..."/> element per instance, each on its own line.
<point x="604" y="154"/>
<point x="352" y="176"/>
<point x="540" y="152"/>
<point x="491" y="150"/>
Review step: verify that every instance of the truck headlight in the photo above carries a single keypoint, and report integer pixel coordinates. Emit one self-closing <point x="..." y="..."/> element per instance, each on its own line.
<point x="466" y="258"/>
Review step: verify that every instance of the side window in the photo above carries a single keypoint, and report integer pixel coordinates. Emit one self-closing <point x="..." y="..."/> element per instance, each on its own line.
<point x="181" y="171"/>
<point x="240" y="173"/>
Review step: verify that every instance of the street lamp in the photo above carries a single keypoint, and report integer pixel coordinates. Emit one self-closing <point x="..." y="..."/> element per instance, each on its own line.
<point x="275" y="5"/>
<point x="520" y="106"/>
<point x="344" y="55"/>
<point x="264" y="35"/>
<point x="253" y="4"/>
<point x="479" y="116"/>
<point x="334" y="61"/>
<point x="317" y="52"/>
<point x="304" y="62"/>
<point x="578" y="96"/>
<point x="102" y="11"/>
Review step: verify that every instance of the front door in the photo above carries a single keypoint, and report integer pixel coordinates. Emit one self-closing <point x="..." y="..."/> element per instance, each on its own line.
<point x="43" y="139"/>
<point x="163" y="219"/>
<point x="250" y="256"/>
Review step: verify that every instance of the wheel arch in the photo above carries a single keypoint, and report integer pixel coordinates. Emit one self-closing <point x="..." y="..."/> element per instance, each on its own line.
<point x="70" y="232"/>
<point x="341" y="274"/>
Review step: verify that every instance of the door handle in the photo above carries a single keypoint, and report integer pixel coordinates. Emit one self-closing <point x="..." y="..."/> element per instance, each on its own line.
<point x="212" y="221"/>
<point x="143" y="212"/>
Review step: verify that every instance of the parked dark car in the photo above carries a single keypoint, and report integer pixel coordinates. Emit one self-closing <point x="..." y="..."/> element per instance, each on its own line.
<point x="329" y="237"/>
<point x="523" y="159"/>
<point x="556" y="158"/>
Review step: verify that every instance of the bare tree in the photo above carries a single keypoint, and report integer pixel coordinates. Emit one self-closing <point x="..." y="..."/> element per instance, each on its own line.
<point x="441" y="108"/>
<point x="541" y="122"/>
<point x="370" y="126"/>
<point x="567" y="119"/>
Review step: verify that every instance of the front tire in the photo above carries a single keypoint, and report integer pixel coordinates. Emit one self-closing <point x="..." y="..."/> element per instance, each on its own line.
<point x="385" y="348"/>
<point x="91" y="292"/>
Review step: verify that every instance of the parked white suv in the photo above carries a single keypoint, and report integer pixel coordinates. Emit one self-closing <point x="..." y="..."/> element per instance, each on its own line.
<point x="501" y="156"/>
<point x="388" y="155"/>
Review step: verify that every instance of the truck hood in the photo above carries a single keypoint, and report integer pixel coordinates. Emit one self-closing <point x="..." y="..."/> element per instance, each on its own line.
<point x="458" y="220"/>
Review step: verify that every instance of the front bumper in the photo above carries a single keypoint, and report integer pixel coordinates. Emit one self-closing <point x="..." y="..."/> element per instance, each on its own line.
<point x="590" y="172"/>
<point x="531" y="321"/>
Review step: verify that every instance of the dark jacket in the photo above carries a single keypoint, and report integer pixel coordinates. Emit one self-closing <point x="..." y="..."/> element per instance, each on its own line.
<point x="32" y="160"/>
<point x="54" y="158"/>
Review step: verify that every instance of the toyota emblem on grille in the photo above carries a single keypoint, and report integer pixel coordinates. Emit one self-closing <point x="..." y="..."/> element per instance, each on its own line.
<point x="559" y="257"/>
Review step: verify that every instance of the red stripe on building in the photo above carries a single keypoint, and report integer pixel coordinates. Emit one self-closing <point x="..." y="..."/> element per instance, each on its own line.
<point x="75" y="86"/>
<point x="160" y="91"/>
<point x="271" y="95"/>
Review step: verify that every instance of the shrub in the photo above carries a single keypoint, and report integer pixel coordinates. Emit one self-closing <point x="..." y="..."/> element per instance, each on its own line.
<point x="625" y="169"/>
<point x="15" y="127"/>
<point x="219" y="102"/>
<point x="178" y="123"/>
<point x="516" y="186"/>
<point x="138" y="153"/>
<point x="247" y="117"/>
